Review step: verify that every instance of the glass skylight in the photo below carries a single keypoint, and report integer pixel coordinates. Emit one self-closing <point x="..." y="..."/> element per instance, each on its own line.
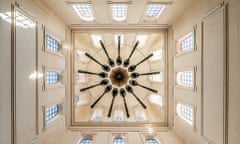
<point x="118" y="140"/>
<point x="154" y="10"/>
<point x="185" y="78"/>
<point x="185" y="112"/>
<point x="156" y="99"/>
<point x="84" y="11"/>
<point x="151" y="141"/>
<point x="21" y="20"/>
<point x="119" y="12"/>
<point x="96" y="39"/>
<point x="86" y="141"/>
<point x="51" y="43"/>
<point x="52" y="77"/>
<point x="142" y="38"/>
<point x="51" y="112"/>
<point x="187" y="43"/>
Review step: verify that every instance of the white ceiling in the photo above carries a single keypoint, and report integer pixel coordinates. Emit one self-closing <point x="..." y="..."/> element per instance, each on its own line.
<point x="133" y="26"/>
<point x="102" y="11"/>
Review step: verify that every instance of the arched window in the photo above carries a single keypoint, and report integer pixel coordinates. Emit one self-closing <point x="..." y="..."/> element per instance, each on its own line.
<point x="185" y="112"/>
<point x="52" y="77"/>
<point x="118" y="140"/>
<point x="51" y="43"/>
<point x="187" y="43"/>
<point x="86" y="141"/>
<point x="51" y="112"/>
<point x="151" y="141"/>
<point x="185" y="78"/>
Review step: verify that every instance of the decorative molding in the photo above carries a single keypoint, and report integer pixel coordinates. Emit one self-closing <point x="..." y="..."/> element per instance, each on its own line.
<point x="17" y="7"/>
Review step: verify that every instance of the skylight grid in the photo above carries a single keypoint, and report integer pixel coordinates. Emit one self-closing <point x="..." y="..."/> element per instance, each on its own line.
<point x="21" y="20"/>
<point x="52" y="77"/>
<point x="118" y="141"/>
<point x="51" y="112"/>
<point x="187" y="43"/>
<point x="187" y="113"/>
<point x="186" y="78"/>
<point x="154" y="10"/>
<point x="84" y="11"/>
<point x="86" y="141"/>
<point x="151" y="141"/>
<point x="52" y="44"/>
<point x="119" y="12"/>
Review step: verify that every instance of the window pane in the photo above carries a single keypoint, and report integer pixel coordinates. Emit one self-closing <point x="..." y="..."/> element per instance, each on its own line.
<point x="187" y="43"/>
<point x="51" y="112"/>
<point x="86" y="141"/>
<point x="119" y="141"/>
<point x="52" y="77"/>
<point x="84" y="11"/>
<point x="185" y="112"/>
<point x="154" y="10"/>
<point x="119" y="12"/>
<point x="151" y="141"/>
<point x="185" y="78"/>
<point x="52" y="44"/>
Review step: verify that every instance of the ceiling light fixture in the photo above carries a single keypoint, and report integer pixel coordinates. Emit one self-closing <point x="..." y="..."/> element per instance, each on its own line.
<point x="119" y="80"/>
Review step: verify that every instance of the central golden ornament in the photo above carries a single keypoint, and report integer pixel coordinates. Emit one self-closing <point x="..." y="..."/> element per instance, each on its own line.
<point x="119" y="76"/>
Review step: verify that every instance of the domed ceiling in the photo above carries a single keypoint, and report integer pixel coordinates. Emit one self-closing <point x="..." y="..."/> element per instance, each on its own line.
<point x="107" y="93"/>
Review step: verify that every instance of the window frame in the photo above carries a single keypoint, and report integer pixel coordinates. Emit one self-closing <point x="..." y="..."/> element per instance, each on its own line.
<point x="48" y="124"/>
<point x="154" y="18"/>
<point x="116" y="134"/>
<point x="46" y="32"/>
<point x="194" y="86"/>
<point x="88" y="137"/>
<point x="155" y="139"/>
<point x="111" y="17"/>
<point x="177" y="115"/>
<point x="83" y="18"/>
<point x="59" y="84"/>
<point x="179" y="40"/>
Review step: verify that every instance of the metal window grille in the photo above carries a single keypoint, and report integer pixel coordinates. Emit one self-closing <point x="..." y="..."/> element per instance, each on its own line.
<point x="51" y="112"/>
<point x="187" y="43"/>
<point x="151" y="141"/>
<point x="86" y="141"/>
<point x="153" y="10"/>
<point x="119" y="141"/>
<point x="186" y="78"/>
<point x="52" y="77"/>
<point x="187" y="112"/>
<point x="52" y="44"/>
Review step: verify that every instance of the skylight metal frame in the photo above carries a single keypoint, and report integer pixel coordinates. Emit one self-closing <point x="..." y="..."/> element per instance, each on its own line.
<point x="119" y="11"/>
<point x="85" y="11"/>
